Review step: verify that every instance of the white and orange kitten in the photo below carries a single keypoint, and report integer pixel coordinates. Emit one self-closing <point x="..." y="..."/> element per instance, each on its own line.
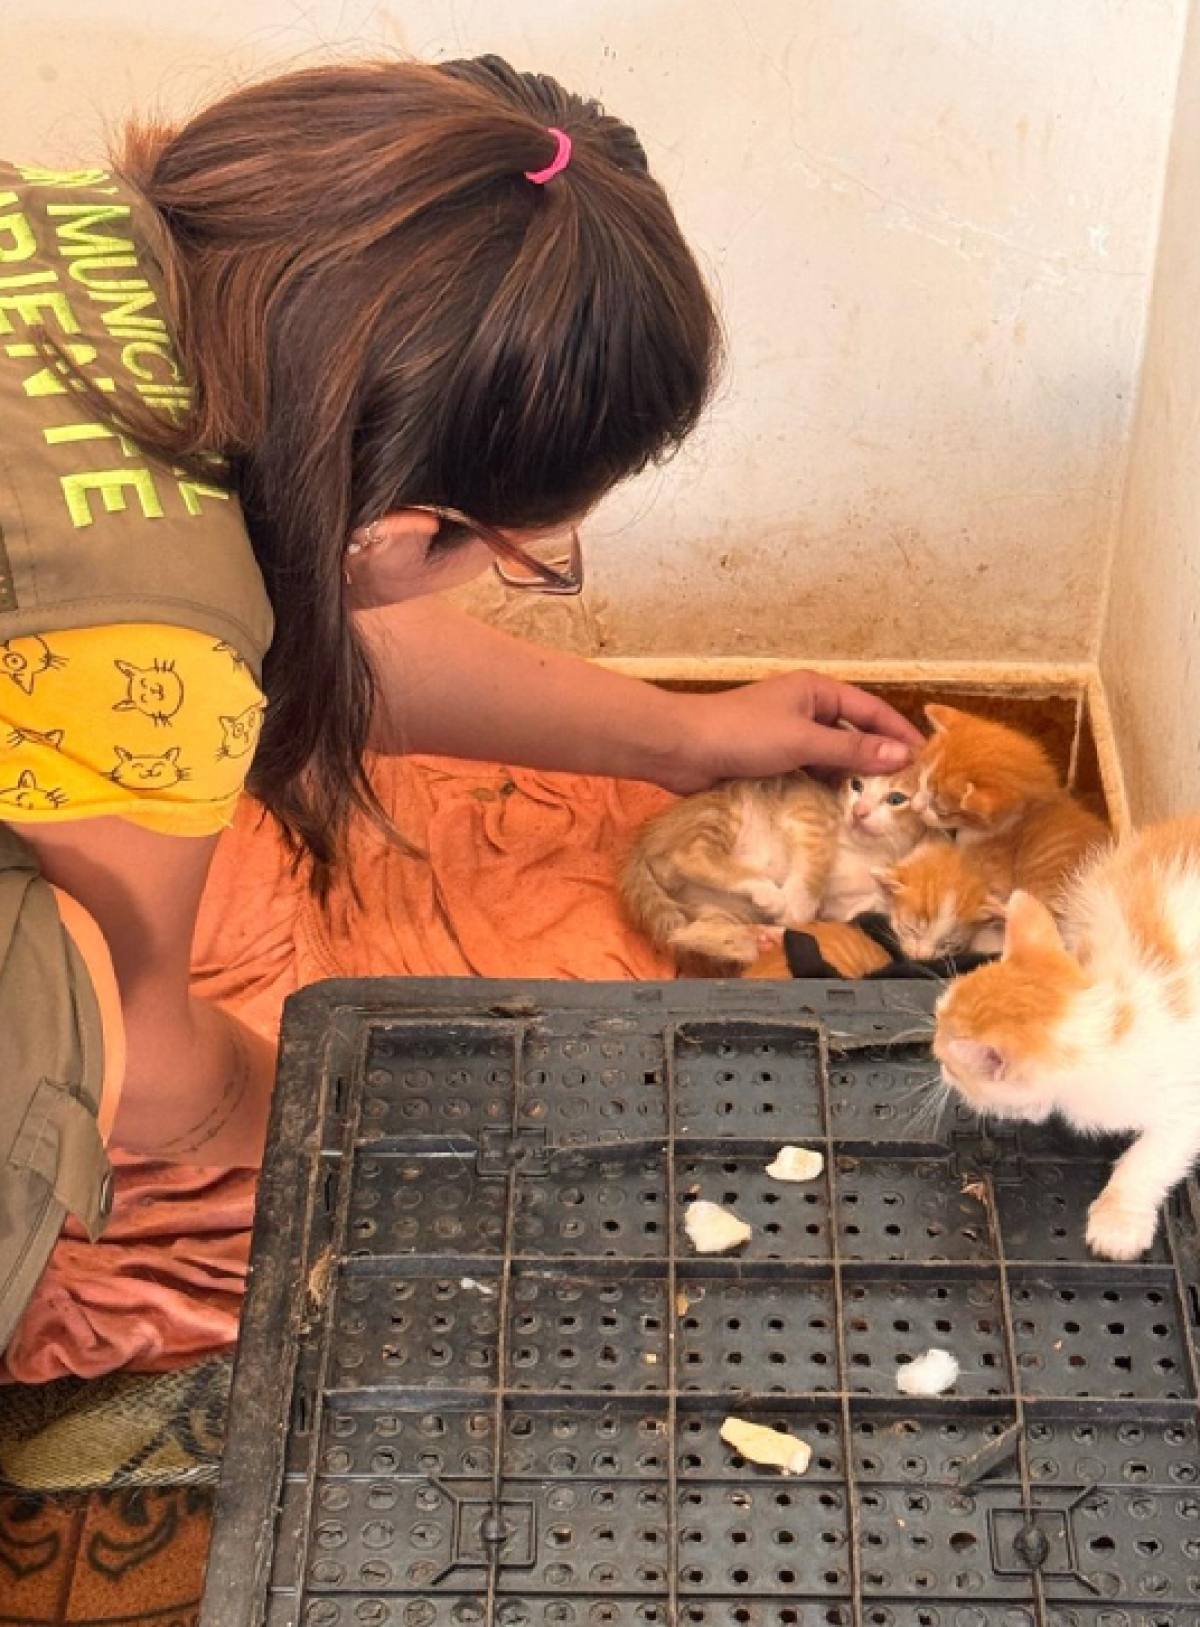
<point x="706" y="877"/>
<point x="941" y="903"/>
<point x="878" y="827"/>
<point x="1100" y="1024"/>
<point x="995" y="790"/>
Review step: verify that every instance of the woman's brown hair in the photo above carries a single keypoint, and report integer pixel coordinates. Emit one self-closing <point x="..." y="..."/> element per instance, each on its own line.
<point x="375" y="308"/>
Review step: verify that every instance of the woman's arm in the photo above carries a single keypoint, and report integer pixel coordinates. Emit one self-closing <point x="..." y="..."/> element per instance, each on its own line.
<point x="453" y="685"/>
<point x="197" y="1085"/>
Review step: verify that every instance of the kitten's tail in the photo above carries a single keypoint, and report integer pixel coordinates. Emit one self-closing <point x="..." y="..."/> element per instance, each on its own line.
<point x="712" y="934"/>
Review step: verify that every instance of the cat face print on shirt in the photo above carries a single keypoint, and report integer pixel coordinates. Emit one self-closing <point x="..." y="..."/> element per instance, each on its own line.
<point x="148" y="772"/>
<point x="24" y="660"/>
<point x="222" y="648"/>
<point x="52" y="739"/>
<point x="240" y="732"/>
<point x="31" y="797"/>
<point x="155" y="691"/>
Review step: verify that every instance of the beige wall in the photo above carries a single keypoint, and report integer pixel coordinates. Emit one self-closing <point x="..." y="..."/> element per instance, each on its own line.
<point x="1150" y="656"/>
<point x="930" y="223"/>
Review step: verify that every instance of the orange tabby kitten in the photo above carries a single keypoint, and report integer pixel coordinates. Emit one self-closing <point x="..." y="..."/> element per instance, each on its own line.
<point x="941" y="902"/>
<point x="708" y="875"/>
<point x="1100" y="1025"/>
<point x="998" y="792"/>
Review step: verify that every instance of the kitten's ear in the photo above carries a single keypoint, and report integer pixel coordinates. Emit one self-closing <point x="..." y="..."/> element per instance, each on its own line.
<point x="1030" y="928"/>
<point x="941" y="717"/>
<point x="971" y="1059"/>
<point x="888" y="880"/>
<point x="983" y="804"/>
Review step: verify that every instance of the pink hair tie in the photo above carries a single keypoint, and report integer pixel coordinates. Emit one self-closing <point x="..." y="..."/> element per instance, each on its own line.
<point x="557" y="164"/>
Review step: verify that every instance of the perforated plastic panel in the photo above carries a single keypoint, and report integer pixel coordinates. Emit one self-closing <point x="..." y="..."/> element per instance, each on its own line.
<point x="483" y="1372"/>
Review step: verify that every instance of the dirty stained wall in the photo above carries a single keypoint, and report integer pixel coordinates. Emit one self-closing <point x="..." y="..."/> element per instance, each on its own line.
<point x="930" y="224"/>
<point x="1150" y="656"/>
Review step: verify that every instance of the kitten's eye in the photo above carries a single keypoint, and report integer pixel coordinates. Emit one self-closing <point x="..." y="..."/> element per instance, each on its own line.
<point x="897" y="799"/>
<point x="856" y="785"/>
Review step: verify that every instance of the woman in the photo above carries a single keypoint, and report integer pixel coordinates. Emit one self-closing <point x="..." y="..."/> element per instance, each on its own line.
<point x="339" y="342"/>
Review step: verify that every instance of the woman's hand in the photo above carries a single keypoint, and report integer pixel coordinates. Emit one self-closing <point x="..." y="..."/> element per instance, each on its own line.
<point x="451" y="685"/>
<point x="795" y="720"/>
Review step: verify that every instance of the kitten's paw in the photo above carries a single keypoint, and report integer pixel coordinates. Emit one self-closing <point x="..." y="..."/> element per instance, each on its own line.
<point x="1117" y="1230"/>
<point x="768" y="938"/>
<point x="767" y="897"/>
<point x="799" y="906"/>
<point x="726" y="942"/>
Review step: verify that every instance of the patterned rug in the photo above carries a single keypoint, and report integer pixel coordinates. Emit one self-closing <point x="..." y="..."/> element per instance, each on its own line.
<point x="127" y="1430"/>
<point x="129" y="1558"/>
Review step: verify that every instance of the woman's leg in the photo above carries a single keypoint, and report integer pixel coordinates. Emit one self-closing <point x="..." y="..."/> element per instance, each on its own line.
<point x="197" y="1083"/>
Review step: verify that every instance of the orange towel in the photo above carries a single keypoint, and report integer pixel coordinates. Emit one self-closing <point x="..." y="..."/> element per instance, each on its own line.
<point x="518" y="882"/>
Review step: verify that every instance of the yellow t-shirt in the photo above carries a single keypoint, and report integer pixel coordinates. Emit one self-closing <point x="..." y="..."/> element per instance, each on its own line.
<point x="151" y="723"/>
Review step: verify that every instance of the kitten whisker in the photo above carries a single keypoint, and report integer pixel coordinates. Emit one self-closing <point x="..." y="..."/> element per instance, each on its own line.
<point x="921" y="1013"/>
<point x="927" y="1118"/>
<point x="909" y="1036"/>
<point x="918" y="1087"/>
<point x="921" y="1089"/>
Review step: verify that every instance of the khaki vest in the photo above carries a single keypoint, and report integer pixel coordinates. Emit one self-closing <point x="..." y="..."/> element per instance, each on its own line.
<point x="92" y="531"/>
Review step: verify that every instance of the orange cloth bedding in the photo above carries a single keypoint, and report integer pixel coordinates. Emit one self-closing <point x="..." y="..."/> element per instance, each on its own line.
<point x="519" y="882"/>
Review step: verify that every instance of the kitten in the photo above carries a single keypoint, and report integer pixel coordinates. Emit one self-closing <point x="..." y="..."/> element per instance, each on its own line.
<point x="879" y="826"/>
<point x="976" y="777"/>
<point x="1102" y="1028"/>
<point x="996" y="790"/>
<point x="940" y="902"/>
<point x="706" y="877"/>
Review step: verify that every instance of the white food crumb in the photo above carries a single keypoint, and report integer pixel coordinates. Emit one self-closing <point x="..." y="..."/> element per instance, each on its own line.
<point x="796" y="1164"/>
<point x="758" y="1444"/>
<point x="479" y="1287"/>
<point x="929" y="1374"/>
<point x="714" y="1230"/>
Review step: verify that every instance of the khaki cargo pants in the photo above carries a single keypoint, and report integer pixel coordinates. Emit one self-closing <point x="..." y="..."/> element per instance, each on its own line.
<point x="52" y="1157"/>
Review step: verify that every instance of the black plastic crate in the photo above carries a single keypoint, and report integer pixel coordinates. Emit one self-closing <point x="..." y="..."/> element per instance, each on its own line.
<point x="482" y="1372"/>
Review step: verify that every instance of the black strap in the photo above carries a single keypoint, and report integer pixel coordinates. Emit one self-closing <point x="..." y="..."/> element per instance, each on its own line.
<point x="804" y="958"/>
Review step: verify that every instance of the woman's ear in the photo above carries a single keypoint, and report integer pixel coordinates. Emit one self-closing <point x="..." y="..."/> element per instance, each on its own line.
<point x="397" y="524"/>
<point x="388" y="561"/>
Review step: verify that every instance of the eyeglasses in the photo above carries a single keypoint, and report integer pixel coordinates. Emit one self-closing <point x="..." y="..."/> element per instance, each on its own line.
<point x="554" y="565"/>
